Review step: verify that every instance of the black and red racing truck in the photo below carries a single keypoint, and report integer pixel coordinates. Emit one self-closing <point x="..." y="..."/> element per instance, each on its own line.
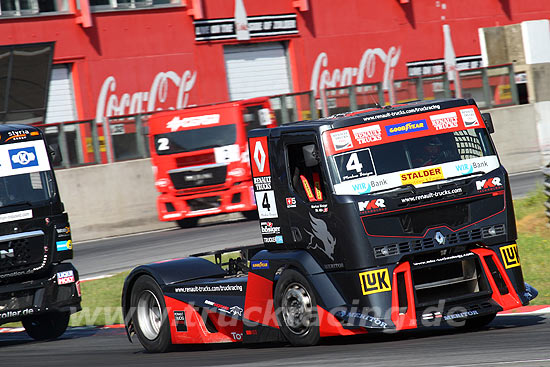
<point x="38" y="286"/>
<point x="373" y="221"/>
<point x="200" y="159"/>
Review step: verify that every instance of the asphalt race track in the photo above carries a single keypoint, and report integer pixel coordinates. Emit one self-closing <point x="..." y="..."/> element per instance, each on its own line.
<point x="507" y="341"/>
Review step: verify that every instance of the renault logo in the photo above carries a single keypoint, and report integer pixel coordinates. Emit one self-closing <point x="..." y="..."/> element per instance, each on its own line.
<point x="439" y="238"/>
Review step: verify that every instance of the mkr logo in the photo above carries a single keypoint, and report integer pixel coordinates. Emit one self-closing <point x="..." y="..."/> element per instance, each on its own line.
<point x="23" y="157"/>
<point x="375" y="281"/>
<point x="510" y="256"/>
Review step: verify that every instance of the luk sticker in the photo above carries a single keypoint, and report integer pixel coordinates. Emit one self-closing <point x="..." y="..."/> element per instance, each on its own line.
<point x="259" y="157"/>
<point x="422" y="176"/>
<point x="510" y="256"/>
<point x="406" y="127"/>
<point x="444" y="121"/>
<point x="368" y="134"/>
<point x="267" y="207"/>
<point x="469" y="117"/>
<point x="341" y="140"/>
<point x="375" y="281"/>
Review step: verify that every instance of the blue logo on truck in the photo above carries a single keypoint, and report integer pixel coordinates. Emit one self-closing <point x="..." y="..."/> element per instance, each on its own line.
<point x="23" y="157"/>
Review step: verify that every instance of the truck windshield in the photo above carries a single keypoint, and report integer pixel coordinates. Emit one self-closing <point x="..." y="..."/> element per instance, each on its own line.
<point x="195" y="139"/>
<point x="28" y="188"/>
<point x="389" y="165"/>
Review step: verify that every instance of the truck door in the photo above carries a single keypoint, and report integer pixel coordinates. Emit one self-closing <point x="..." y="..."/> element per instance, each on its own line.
<point x="307" y="199"/>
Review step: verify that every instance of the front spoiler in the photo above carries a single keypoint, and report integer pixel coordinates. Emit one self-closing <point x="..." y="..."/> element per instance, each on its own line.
<point x="58" y="291"/>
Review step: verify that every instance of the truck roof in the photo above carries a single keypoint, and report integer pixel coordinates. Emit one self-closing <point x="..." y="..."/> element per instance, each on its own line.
<point x="4" y="128"/>
<point x="372" y="115"/>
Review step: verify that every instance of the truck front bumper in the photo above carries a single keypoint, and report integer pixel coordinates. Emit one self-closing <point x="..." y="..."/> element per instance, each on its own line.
<point x="56" y="291"/>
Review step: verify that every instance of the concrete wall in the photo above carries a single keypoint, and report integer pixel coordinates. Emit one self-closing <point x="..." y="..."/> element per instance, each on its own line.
<point x="110" y="199"/>
<point x="120" y="198"/>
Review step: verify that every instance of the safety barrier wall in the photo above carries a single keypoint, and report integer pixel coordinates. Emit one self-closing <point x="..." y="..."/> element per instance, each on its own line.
<point x="120" y="198"/>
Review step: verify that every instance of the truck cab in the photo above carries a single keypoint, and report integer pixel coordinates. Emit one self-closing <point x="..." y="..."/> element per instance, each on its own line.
<point x="200" y="159"/>
<point x="407" y="208"/>
<point x="38" y="285"/>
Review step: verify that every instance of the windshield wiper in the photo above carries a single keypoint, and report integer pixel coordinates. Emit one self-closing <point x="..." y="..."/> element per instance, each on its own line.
<point x="455" y="178"/>
<point x="16" y="204"/>
<point x="405" y="187"/>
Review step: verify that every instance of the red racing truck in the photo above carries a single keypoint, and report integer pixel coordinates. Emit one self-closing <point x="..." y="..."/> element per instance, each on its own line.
<point x="200" y="159"/>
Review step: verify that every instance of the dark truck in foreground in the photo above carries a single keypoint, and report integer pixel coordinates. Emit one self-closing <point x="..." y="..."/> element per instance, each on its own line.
<point x="37" y="284"/>
<point x="372" y="221"/>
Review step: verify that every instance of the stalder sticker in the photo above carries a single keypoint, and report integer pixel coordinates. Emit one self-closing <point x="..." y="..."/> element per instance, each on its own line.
<point x="422" y="176"/>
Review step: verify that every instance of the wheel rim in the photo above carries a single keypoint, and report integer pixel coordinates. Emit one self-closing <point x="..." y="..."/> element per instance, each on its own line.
<point x="297" y="309"/>
<point x="149" y="314"/>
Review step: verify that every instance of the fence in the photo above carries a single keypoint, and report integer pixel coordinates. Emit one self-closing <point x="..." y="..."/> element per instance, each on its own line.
<point x="546" y="171"/>
<point x="85" y="142"/>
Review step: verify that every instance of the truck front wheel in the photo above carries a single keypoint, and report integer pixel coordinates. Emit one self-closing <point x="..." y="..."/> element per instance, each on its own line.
<point x="188" y="222"/>
<point x="150" y="316"/>
<point x="46" y="326"/>
<point x="296" y="309"/>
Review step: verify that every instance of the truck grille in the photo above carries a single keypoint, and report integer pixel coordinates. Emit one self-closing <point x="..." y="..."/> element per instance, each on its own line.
<point x="198" y="176"/>
<point x="457" y="238"/>
<point x="22" y="253"/>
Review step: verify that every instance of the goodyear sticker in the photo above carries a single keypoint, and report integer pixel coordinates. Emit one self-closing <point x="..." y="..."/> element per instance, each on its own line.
<point x="406" y="127"/>
<point x="259" y="264"/>
<point x="375" y="281"/>
<point x="64" y="245"/>
<point x="510" y="256"/>
<point x="421" y="176"/>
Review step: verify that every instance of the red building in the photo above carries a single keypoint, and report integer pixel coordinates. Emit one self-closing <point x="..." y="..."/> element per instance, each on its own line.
<point x="117" y="57"/>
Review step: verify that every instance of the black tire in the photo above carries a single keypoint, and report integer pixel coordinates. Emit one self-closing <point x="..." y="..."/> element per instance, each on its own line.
<point x="478" y="322"/>
<point x="46" y="326"/>
<point x="296" y="309"/>
<point x="150" y="316"/>
<point x="251" y="215"/>
<point x="188" y="222"/>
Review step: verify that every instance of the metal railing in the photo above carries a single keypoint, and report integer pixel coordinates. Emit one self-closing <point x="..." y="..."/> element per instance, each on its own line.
<point x="546" y="171"/>
<point x="85" y="142"/>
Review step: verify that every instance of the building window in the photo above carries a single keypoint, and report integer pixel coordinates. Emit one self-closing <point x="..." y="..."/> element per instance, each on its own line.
<point x="10" y="8"/>
<point x="99" y="5"/>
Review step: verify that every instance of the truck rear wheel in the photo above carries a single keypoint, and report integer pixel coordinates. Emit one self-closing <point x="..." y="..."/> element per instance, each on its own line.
<point x="46" y="326"/>
<point x="296" y="309"/>
<point x="150" y="316"/>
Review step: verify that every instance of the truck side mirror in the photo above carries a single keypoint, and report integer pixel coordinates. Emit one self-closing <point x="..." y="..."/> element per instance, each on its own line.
<point x="488" y="120"/>
<point x="55" y="152"/>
